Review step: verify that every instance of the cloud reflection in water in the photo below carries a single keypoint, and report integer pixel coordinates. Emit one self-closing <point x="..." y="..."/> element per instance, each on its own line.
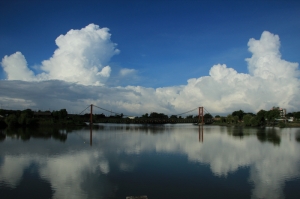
<point x="119" y="147"/>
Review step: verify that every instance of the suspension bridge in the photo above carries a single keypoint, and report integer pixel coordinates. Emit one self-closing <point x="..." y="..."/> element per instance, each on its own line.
<point x="155" y="120"/>
<point x="200" y="120"/>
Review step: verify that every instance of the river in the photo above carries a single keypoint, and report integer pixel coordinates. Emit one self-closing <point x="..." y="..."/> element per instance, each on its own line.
<point x="159" y="161"/>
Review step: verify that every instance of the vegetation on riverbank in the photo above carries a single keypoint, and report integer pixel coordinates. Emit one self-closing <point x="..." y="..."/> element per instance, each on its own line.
<point x="29" y="118"/>
<point x="271" y="118"/>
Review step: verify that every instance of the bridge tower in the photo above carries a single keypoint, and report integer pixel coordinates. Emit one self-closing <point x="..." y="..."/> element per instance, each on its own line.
<point x="91" y="115"/>
<point x="200" y="115"/>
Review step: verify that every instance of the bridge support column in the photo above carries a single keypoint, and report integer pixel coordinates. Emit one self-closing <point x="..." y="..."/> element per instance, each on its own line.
<point x="91" y="115"/>
<point x="201" y="115"/>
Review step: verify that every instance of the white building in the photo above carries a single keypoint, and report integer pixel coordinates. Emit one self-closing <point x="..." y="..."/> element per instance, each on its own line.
<point x="282" y="111"/>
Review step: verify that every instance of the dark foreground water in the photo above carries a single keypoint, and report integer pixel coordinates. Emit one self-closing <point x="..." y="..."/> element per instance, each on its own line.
<point x="163" y="161"/>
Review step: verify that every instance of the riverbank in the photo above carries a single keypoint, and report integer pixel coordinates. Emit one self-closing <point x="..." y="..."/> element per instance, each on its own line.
<point x="280" y="125"/>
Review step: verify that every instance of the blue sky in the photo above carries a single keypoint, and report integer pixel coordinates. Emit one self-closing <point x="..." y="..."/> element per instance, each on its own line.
<point x="165" y="43"/>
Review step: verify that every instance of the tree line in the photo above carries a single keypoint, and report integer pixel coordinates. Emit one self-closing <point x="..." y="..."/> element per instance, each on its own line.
<point x="261" y="118"/>
<point x="28" y="117"/>
<point x="153" y="115"/>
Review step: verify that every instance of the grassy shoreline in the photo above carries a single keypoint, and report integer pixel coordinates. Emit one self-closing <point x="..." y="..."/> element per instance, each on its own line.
<point x="286" y="125"/>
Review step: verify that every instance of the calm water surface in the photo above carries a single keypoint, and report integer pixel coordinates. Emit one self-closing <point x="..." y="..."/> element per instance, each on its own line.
<point x="162" y="161"/>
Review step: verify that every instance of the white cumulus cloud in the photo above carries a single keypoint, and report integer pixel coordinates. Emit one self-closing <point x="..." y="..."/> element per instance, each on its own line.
<point x="81" y="57"/>
<point x="16" y="68"/>
<point x="272" y="81"/>
<point x="266" y="60"/>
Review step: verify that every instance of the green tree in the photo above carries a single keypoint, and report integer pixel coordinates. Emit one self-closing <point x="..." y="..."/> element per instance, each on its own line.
<point x="239" y="113"/>
<point x="22" y="118"/>
<point x="189" y="117"/>
<point x="260" y="117"/>
<point x="173" y="117"/>
<point x="229" y="118"/>
<point x="145" y="115"/>
<point x="208" y="116"/>
<point x="252" y="114"/>
<point x="101" y="115"/>
<point x="2" y="112"/>
<point x="254" y="121"/>
<point x="223" y="119"/>
<point x="247" y="120"/>
<point x="297" y="115"/>
<point x="272" y="115"/>
<point x="290" y="115"/>
<point x="29" y="112"/>
<point x="11" y="120"/>
<point x="119" y="115"/>
<point x="61" y="114"/>
<point x="236" y="118"/>
<point x="158" y="115"/>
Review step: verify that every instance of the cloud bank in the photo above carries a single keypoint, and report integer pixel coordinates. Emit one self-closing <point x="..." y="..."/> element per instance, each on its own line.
<point x="79" y="62"/>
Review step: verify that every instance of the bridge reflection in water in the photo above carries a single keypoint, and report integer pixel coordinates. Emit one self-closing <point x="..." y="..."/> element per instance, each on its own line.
<point x="91" y="135"/>
<point x="201" y="133"/>
<point x="200" y="130"/>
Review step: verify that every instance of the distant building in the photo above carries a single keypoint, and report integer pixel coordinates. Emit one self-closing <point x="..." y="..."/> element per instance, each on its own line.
<point x="131" y="117"/>
<point x="217" y="119"/>
<point x="281" y="110"/>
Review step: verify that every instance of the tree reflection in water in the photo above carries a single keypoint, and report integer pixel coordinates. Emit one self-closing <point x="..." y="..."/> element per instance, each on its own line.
<point x="2" y="135"/>
<point x="43" y="133"/>
<point x="268" y="135"/>
<point x="297" y="136"/>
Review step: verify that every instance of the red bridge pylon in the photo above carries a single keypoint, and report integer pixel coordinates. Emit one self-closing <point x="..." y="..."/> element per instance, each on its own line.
<point x="201" y="115"/>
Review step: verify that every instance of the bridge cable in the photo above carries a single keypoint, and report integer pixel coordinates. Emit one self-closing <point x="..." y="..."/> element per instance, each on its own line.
<point x="187" y="111"/>
<point x="129" y="115"/>
<point x="207" y="111"/>
<point x="109" y="111"/>
<point x="84" y="109"/>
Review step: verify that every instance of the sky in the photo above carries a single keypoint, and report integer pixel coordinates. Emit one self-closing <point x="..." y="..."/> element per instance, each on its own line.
<point x="137" y="57"/>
